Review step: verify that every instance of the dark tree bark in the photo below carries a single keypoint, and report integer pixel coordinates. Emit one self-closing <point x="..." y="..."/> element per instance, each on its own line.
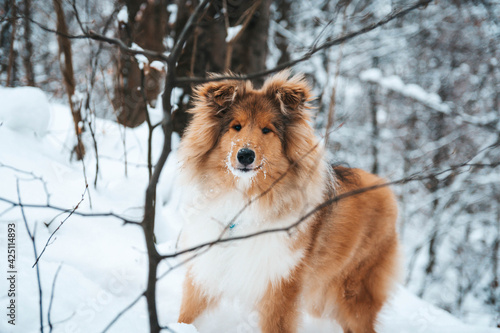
<point x="28" y="45"/>
<point x="146" y="27"/>
<point x="12" y="52"/>
<point x="66" y="64"/>
<point x="204" y="52"/>
<point x="5" y="35"/>
<point x="250" y="52"/>
<point x="207" y="49"/>
<point x="283" y="10"/>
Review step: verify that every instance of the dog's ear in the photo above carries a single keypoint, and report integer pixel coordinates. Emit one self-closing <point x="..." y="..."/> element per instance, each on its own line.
<point x="291" y="94"/>
<point x="218" y="95"/>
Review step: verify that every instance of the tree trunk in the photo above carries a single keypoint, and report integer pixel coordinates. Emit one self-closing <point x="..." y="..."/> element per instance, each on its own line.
<point x="12" y="53"/>
<point x="146" y="27"/>
<point x="250" y="51"/>
<point x="28" y="45"/>
<point x="283" y="10"/>
<point x="66" y="64"/>
<point x="206" y="50"/>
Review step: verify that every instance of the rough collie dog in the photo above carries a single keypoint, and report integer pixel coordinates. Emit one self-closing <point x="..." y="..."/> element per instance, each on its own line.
<point x="255" y="174"/>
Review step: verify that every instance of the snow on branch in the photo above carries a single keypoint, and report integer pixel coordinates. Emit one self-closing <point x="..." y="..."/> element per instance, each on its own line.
<point x="91" y="34"/>
<point x="431" y="100"/>
<point x="413" y="91"/>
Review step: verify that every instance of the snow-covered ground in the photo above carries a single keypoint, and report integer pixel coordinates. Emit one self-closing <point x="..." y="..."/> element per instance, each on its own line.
<point x="102" y="262"/>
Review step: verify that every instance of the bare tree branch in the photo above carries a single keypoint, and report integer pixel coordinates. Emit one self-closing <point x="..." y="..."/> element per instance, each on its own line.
<point x="34" y="177"/>
<point x="77" y="15"/>
<point x="66" y="210"/>
<point x="326" y="203"/>
<point x="91" y="34"/>
<point x="398" y="13"/>
<point x="115" y="41"/>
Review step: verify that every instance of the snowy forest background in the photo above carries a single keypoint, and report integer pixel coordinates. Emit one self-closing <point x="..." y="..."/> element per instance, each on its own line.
<point x="413" y="97"/>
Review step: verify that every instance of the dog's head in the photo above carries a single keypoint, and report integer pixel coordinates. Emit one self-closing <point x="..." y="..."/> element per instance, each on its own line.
<point x="250" y="137"/>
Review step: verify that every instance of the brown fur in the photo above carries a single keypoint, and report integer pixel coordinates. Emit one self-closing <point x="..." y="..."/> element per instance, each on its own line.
<point x="350" y="248"/>
<point x="194" y="301"/>
<point x="278" y="309"/>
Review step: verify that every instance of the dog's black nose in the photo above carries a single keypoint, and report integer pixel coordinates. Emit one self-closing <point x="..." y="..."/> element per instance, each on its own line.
<point x="246" y="156"/>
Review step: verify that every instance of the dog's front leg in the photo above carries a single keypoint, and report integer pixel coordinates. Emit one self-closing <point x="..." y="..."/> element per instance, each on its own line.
<point x="194" y="301"/>
<point x="278" y="308"/>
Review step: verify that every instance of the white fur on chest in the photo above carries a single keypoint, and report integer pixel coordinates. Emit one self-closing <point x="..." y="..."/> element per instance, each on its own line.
<point x="241" y="268"/>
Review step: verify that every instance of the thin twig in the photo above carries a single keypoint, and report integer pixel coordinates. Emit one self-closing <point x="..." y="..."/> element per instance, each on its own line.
<point x="121" y="128"/>
<point x="32" y="237"/>
<point x="77" y="15"/>
<point x="52" y="297"/>
<point x="122" y="312"/>
<point x="86" y="183"/>
<point x="150" y="126"/>
<point x="66" y="210"/>
<point x="91" y="113"/>
<point x="60" y="225"/>
<point x="29" y="173"/>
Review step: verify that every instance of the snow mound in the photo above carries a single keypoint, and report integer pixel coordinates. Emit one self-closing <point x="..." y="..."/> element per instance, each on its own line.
<point x="24" y="109"/>
<point x="406" y="313"/>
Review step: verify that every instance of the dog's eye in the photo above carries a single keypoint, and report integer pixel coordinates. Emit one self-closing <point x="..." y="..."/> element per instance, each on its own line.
<point x="237" y="127"/>
<point x="265" y="130"/>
